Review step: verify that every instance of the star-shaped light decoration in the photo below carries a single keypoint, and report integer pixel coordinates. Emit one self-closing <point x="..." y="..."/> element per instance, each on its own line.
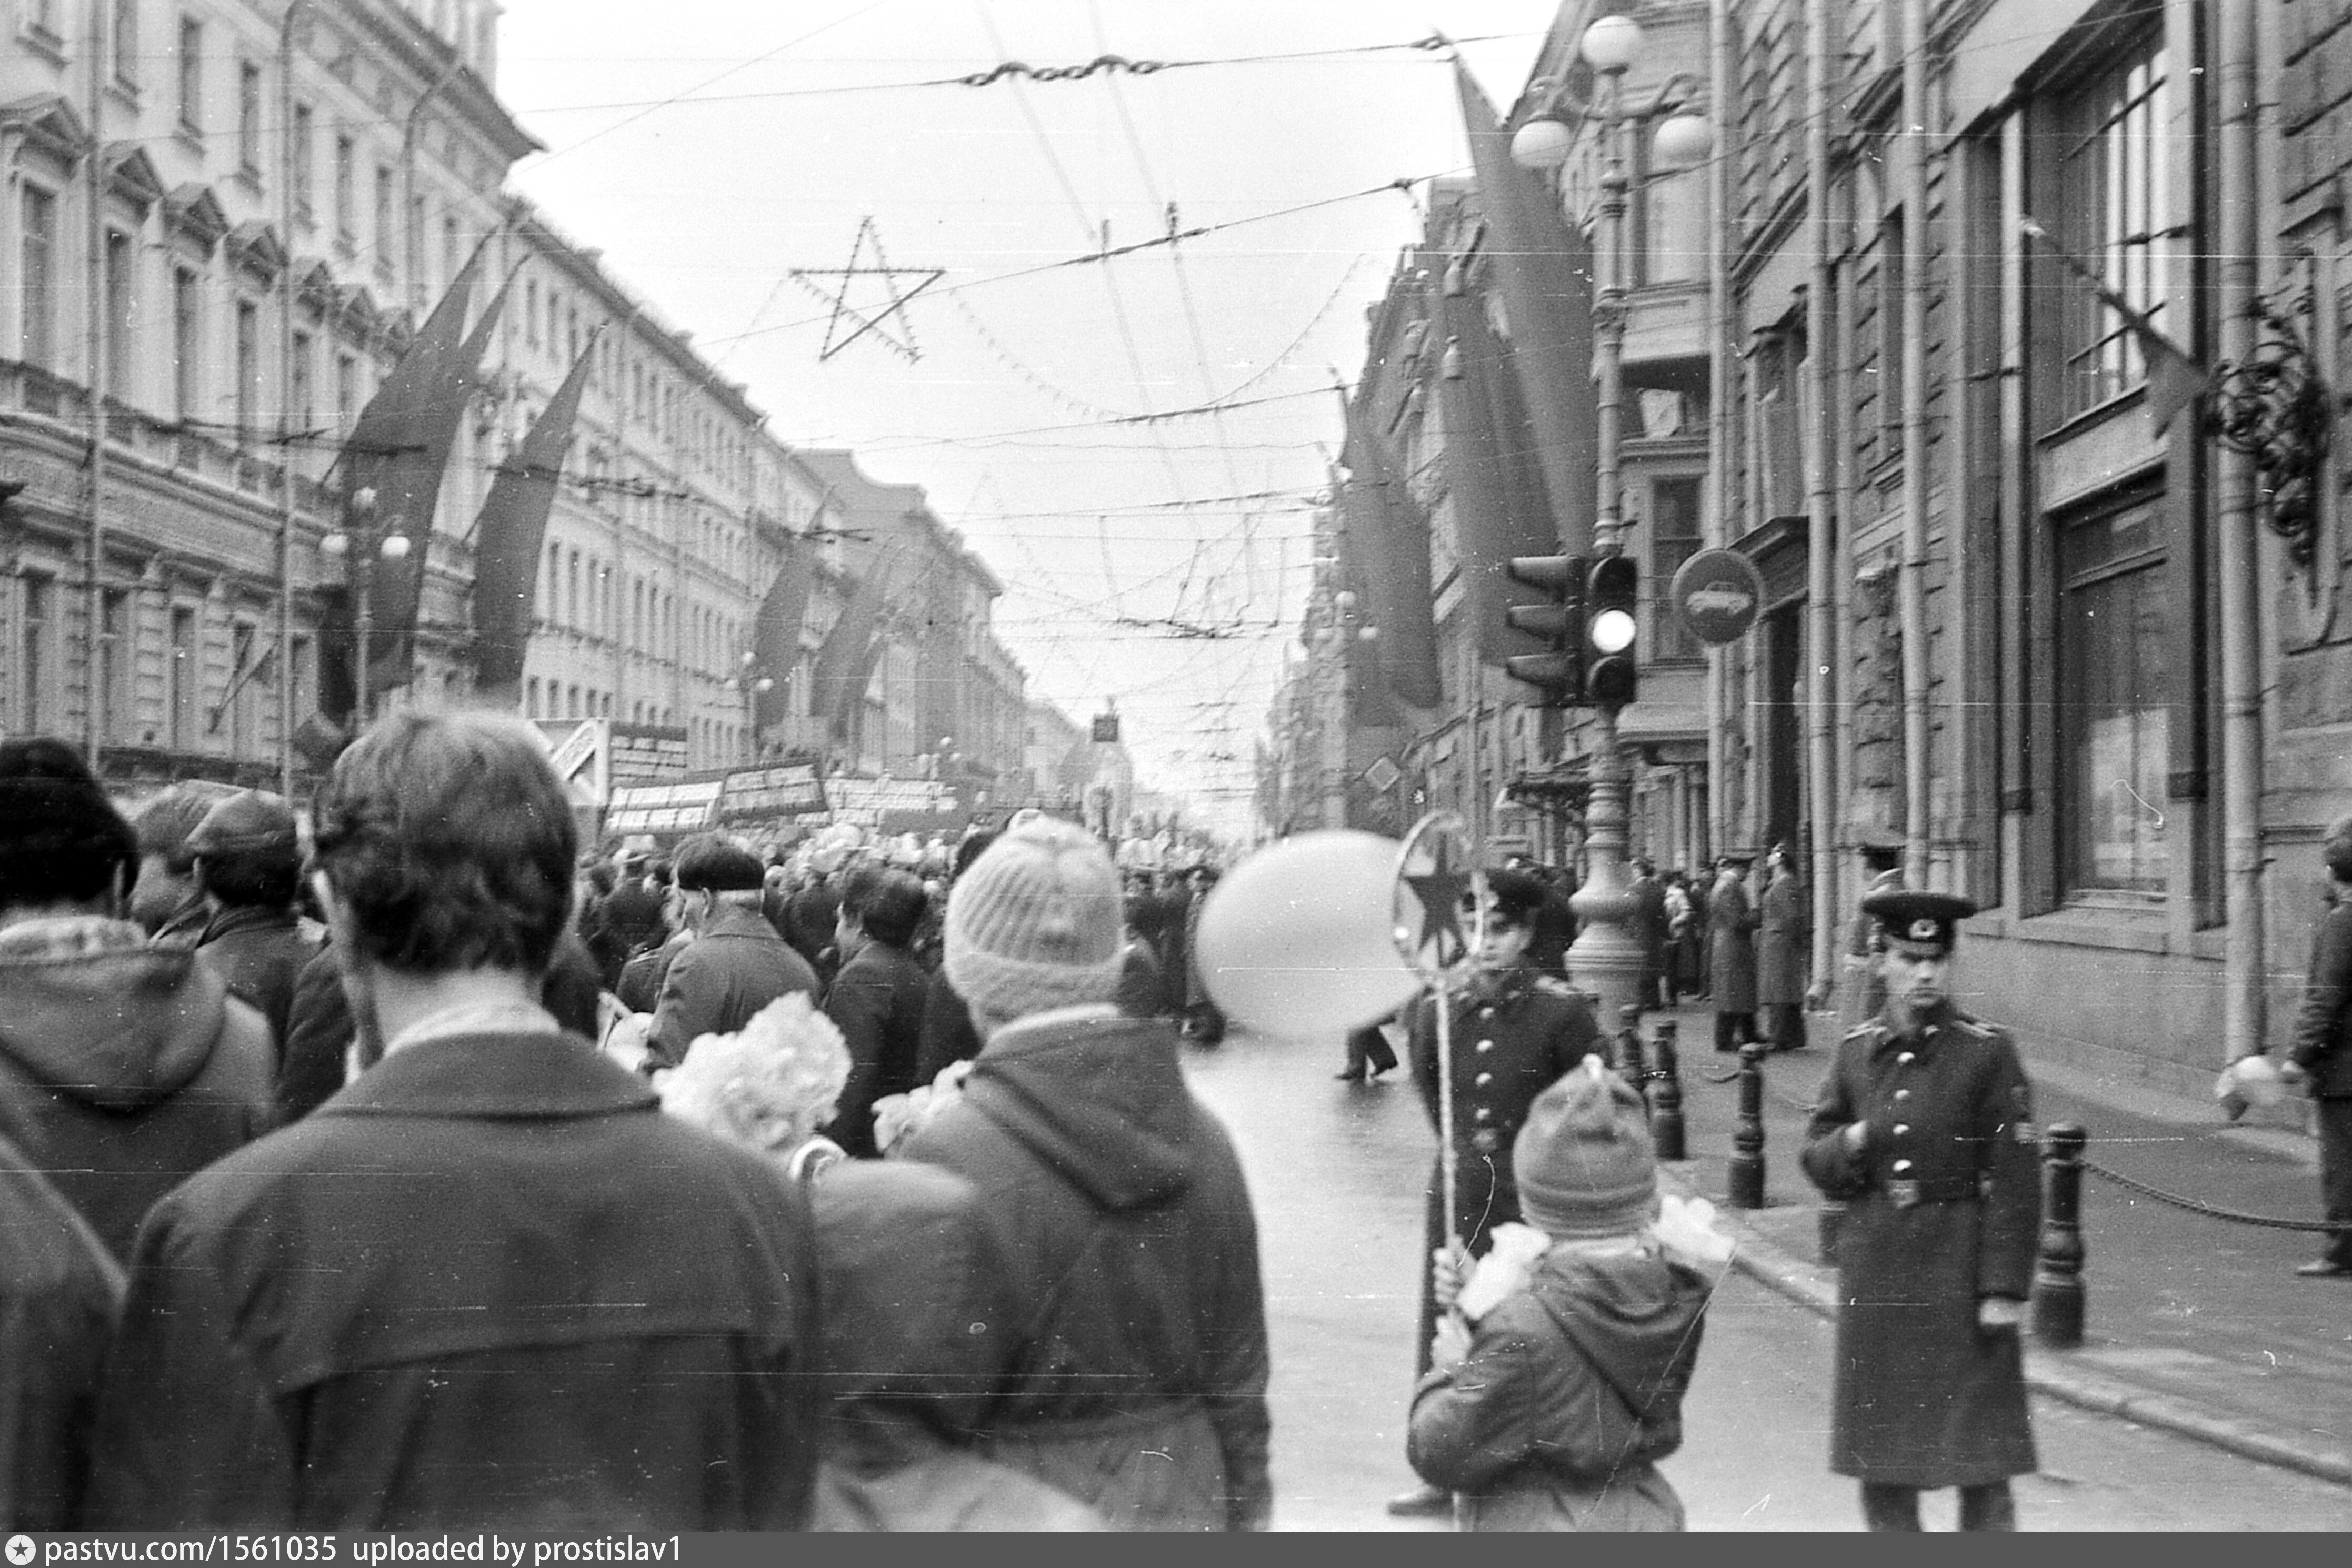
<point x="835" y="340"/>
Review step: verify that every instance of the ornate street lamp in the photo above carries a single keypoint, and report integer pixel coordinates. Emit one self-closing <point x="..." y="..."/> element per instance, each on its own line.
<point x="360" y="544"/>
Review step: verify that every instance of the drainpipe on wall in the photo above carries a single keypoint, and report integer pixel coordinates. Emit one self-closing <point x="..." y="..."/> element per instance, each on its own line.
<point x="1820" y="502"/>
<point x="1912" y="586"/>
<point x="1718" y="529"/>
<point x="94" y="699"/>
<point x="2236" y="558"/>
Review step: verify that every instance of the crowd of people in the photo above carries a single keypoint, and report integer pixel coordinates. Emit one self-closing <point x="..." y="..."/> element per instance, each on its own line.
<point x="461" y="1237"/>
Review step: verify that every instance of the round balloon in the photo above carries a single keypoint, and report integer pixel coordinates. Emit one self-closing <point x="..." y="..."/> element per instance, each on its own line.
<point x="1299" y="939"/>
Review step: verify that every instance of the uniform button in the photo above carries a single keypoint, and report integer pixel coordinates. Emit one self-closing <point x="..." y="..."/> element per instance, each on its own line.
<point x="1900" y="1129"/>
<point x="1907" y="1059"/>
<point x="1486" y="1012"/>
<point x="1484" y="1079"/>
<point x="1484" y="1115"/>
<point x="1902" y="1166"/>
<point x="1485" y="1045"/>
<point x="1901" y="1095"/>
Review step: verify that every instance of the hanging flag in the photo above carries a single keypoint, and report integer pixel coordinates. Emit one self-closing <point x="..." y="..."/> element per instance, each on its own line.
<point x="838" y="679"/>
<point x="510" y="531"/>
<point x="413" y="489"/>
<point x="1492" y="520"/>
<point x="2175" y="376"/>
<point x="1377" y="502"/>
<point x="776" y="634"/>
<point x="1543" y="266"/>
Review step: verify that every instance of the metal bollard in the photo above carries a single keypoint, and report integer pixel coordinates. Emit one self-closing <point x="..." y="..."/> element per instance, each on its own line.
<point x="2058" y="1269"/>
<point x="1627" y="1048"/>
<point x="1746" y="1185"/>
<point x="1666" y="1095"/>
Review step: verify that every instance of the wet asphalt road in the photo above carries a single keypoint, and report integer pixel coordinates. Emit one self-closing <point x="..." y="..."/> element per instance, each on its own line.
<point x="1336" y="1174"/>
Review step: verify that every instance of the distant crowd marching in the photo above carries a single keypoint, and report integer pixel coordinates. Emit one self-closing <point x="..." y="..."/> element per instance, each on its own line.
<point x="394" y="1166"/>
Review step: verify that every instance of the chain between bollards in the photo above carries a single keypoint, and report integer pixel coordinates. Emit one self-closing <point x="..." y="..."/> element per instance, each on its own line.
<point x="1745" y="1176"/>
<point x="1666" y="1095"/>
<point x="2058" y="1268"/>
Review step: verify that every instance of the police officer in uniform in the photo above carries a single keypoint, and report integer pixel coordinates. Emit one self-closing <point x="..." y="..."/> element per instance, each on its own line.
<point x="1924" y="1129"/>
<point x="1515" y="1030"/>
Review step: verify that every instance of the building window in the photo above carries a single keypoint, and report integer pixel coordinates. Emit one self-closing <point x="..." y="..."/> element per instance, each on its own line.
<point x="2112" y="212"/>
<point x="301" y="675"/>
<point x="346" y="158"/>
<point x="299" y="156"/>
<point x="38" y="333"/>
<point x="187" y="342"/>
<point x="114" y="659"/>
<point x="34" y="632"/>
<point x="1674" y="539"/>
<point x="248" y="369"/>
<point x="241" y="730"/>
<point x="347" y="392"/>
<point x="383" y="213"/>
<point x="2112" y="693"/>
<point x="1669" y="214"/>
<point x="249" y="120"/>
<point x="530" y="311"/>
<point x="530" y="697"/>
<point x="299" y="388"/>
<point x="126" y="42"/>
<point x="192" y="77"/>
<point x="120" y="259"/>
<point x="180" y="676"/>
<point x="554" y="582"/>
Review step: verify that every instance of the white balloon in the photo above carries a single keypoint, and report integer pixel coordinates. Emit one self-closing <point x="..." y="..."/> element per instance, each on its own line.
<point x="1299" y="939"/>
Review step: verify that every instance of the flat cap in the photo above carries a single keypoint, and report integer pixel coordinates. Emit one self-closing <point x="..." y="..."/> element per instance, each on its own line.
<point x="248" y="822"/>
<point x="714" y="865"/>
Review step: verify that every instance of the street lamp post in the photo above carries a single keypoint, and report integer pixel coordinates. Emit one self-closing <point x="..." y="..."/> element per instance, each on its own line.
<point x="754" y="686"/>
<point x="360" y="544"/>
<point x="1605" y="957"/>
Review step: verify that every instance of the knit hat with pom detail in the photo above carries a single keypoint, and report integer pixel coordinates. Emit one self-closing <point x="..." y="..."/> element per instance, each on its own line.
<point x="1034" y="923"/>
<point x="1583" y="1159"/>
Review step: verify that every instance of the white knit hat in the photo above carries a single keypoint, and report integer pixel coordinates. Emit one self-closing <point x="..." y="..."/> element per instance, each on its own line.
<point x="1034" y="922"/>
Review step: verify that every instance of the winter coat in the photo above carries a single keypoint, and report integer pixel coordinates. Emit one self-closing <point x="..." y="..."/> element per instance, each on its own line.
<point x="259" y="953"/>
<point x="917" y="1307"/>
<point x="948" y="1034"/>
<point x="488" y="1285"/>
<point x="1571" y="1393"/>
<point x="2322" y="1023"/>
<point x="735" y="965"/>
<point x="1943" y="1209"/>
<point x="1783" y="944"/>
<point x="124" y="1067"/>
<point x="878" y="1002"/>
<point x="1137" y="1380"/>
<point x="1648" y="923"/>
<point x="59" y="1293"/>
<point x="1731" y="922"/>
<point x="813" y="912"/>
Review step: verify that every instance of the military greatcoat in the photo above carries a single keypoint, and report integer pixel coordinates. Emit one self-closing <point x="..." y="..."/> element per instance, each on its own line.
<point x="1943" y="1208"/>
<point x="1513" y="1033"/>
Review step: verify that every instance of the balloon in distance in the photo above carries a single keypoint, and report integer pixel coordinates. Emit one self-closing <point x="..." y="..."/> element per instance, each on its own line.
<point x="1299" y="939"/>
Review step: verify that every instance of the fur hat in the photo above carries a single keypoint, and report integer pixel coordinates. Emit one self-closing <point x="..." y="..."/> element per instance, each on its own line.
<point x="1583" y="1159"/>
<point x="60" y="837"/>
<point x="1034" y="923"/>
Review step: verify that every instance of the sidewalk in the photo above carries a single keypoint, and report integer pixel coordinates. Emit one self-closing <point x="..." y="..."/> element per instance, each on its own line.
<point x="2192" y="1323"/>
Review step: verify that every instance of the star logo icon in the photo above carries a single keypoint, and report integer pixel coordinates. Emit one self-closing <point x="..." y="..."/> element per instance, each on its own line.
<point x="870" y="317"/>
<point x="1439" y="885"/>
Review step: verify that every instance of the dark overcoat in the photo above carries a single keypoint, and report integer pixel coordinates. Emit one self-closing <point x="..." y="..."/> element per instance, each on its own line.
<point x="1923" y="1396"/>
<point x="1731" y="922"/>
<point x="1513" y="1034"/>
<point x="735" y="967"/>
<point x="1783" y="943"/>
<point x="487" y="1285"/>
<point x="876" y="1001"/>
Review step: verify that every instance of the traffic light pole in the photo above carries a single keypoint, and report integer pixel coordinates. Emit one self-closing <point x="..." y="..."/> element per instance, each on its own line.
<point x="1605" y="960"/>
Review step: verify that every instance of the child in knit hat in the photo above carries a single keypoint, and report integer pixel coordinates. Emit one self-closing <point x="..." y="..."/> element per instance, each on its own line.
<point x="1551" y="1409"/>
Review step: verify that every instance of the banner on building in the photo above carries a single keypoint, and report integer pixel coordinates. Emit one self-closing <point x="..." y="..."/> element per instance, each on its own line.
<point x="759" y="793"/>
<point x="508" y="534"/>
<point x="664" y="808"/>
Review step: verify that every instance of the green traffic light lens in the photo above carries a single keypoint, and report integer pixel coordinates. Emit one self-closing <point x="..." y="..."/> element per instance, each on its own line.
<point x="1611" y="631"/>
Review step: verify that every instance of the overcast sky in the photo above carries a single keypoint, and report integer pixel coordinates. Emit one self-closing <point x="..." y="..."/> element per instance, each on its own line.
<point x="710" y="147"/>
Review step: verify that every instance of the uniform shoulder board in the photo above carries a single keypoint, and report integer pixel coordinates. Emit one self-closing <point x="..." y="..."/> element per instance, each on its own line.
<point x="1553" y="986"/>
<point x="1863" y="1030"/>
<point x="1977" y="1028"/>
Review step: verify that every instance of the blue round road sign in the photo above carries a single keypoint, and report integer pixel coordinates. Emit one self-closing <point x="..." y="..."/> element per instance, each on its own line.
<point x="1718" y="594"/>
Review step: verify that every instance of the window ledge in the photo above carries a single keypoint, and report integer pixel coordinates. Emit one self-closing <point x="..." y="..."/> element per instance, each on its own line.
<point x="2119" y="930"/>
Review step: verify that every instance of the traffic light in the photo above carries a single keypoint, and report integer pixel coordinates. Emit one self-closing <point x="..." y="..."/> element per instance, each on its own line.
<point x="1559" y="673"/>
<point x="1608" y="630"/>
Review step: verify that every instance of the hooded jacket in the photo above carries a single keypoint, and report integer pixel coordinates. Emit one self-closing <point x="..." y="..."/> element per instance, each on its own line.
<point x="124" y="1067"/>
<point x="1571" y="1392"/>
<point x="1135" y="1377"/>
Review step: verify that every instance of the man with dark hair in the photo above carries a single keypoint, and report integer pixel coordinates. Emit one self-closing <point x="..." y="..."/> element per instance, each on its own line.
<point x="878" y="998"/>
<point x="948" y="1035"/>
<point x="123" y="1065"/>
<point x="1648" y="927"/>
<point x="248" y="867"/>
<point x="735" y="965"/>
<point x="488" y="1285"/>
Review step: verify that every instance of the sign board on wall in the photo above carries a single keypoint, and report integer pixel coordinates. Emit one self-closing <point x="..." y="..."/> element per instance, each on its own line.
<point x="760" y="792"/>
<point x="647" y="753"/>
<point x="663" y="808"/>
